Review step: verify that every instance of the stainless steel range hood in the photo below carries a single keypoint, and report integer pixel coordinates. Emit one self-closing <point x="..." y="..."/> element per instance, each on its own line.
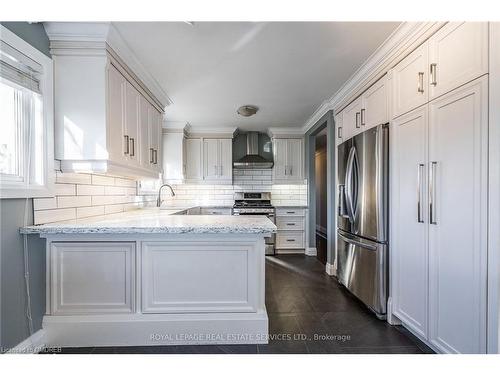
<point x="252" y="160"/>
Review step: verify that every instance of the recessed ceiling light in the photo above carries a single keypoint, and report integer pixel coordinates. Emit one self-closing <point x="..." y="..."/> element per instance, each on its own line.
<point x="247" y="110"/>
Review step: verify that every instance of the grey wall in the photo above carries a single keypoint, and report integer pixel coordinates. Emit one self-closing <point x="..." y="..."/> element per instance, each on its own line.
<point x="13" y="322"/>
<point x="14" y="325"/>
<point x="33" y="33"/>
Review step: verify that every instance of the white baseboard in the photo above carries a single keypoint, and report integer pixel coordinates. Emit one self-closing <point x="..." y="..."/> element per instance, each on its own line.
<point x="311" y="251"/>
<point x="391" y="318"/>
<point x="32" y="345"/>
<point x="330" y="269"/>
<point x="289" y="251"/>
<point x="156" y="329"/>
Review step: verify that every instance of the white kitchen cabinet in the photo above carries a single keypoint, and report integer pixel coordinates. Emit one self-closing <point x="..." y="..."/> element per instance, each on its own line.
<point x="374" y="109"/>
<point x="439" y="255"/>
<point x="155" y="121"/>
<point x="290" y="222"/>
<point x="458" y="151"/>
<point x="409" y="229"/>
<point x="409" y="81"/>
<point x="145" y="130"/>
<point x="117" y="144"/>
<point x="92" y="278"/>
<point x="193" y="159"/>
<point x="339" y="129"/>
<point x="458" y="53"/>
<point x="351" y="118"/>
<point x="132" y="98"/>
<point x="217" y="159"/>
<point x="288" y="160"/>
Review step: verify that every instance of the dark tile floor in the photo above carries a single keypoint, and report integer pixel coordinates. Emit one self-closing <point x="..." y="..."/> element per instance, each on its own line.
<point x="308" y="313"/>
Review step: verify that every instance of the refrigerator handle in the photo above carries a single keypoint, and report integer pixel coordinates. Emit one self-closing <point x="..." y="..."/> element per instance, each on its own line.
<point x="357" y="243"/>
<point x="349" y="184"/>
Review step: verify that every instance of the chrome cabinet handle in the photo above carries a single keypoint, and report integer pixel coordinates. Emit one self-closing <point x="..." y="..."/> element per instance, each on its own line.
<point x="215" y="170"/>
<point x="126" y="145"/>
<point x="339" y="132"/>
<point x="290" y="240"/>
<point x="432" y="193"/>
<point x="290" y="170"/>
<point x="151" y="155"/>
<point x="285" y="169"/>
<point x="132" y="143"/>
<point x="290" y="212"/>
<point x="419" y="193"/>
<point x="290" y="224"/>
<point x="363" y="116"/>
<point x="155" y="156"/>
<point x="433" y="74"/>
<point x="420" y="82"/>
<point x="357" y="120"/>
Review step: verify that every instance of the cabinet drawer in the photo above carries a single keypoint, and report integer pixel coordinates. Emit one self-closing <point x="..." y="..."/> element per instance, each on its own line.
<point x="215" y="211"/>
<point x="290" y="212"/>
<point x="290" y="240"/>
<point x="290" y="223"/>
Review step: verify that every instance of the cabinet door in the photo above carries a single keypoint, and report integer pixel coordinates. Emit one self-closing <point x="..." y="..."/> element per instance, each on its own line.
<point x="116" y="119"/>
<point x="458" y="53"/>
<point x="351" y="119"/>
<point x="294" y="156"/>
<point x="409" y="224"/>
<point x="156" y="135"/>
<point x="410" y="81"/>
<point x="280" y="171"/>
<point x="211" y="165"/>
<point x="375" y="105"/>
<point x="132" y="122"/>
<point x="145" y="133"/>
<point x="339" y="129"/>
<point x="226" y="159"/>
<point x="458" y="149"/>
<point x="193" y="159"/>
<point x="89" y="278"/>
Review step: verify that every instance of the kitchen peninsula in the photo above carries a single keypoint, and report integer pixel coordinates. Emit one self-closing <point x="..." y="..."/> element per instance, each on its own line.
<point x="155" y="277"/>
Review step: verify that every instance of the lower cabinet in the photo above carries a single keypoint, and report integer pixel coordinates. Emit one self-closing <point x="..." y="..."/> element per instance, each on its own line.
<point x="439" y="223"/>
<point x="208" y="277"/>
<point x="291" y="229"/>
<point x="92" y="278"/>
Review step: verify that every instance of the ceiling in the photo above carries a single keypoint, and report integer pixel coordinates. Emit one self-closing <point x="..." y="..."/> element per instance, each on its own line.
<point x="287" y="69"/>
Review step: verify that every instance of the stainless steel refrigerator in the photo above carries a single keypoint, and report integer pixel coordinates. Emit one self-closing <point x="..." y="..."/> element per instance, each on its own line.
<point x="362" y="233"/>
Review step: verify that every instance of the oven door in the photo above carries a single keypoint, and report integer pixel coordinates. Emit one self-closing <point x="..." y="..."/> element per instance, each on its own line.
<point x="270" y="241"/>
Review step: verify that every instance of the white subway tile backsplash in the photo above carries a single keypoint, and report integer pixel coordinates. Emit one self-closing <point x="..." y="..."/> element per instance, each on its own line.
<point x="73" y="178"/>
<point x="65" y="189"/>
<point x="73" y="201"/>
<point x="89" y="190"/>
<point x="51" y="216"/>
<point x="113" y="209"/>
<point x="114" y="190"/>
<point x="124" y="182"/>
<point x="44" y="203"/>
<point x="82" y="212"/>
<point x="102" y="180"/>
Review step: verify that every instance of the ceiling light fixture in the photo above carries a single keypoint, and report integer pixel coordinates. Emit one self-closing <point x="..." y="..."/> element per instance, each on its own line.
<point x="247" y="110"/>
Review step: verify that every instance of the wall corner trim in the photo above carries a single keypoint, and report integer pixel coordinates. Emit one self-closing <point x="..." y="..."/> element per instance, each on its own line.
<point x="311" y="251"/>
<point x="330" y="269"/>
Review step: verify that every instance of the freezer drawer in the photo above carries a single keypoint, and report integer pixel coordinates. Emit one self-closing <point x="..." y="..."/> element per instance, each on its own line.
<point x="362" y="269"/>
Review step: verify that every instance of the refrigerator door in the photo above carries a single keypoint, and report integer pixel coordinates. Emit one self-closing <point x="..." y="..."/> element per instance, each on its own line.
<point x="362" y="269"/>
<point x="363" y="174"/>
<point x="344" y="219"/>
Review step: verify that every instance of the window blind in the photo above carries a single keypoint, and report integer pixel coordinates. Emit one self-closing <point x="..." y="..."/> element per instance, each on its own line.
<point x="19" y="69"/>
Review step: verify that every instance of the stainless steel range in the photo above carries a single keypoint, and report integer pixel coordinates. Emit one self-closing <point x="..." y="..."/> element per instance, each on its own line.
<point x="256" y="204"/>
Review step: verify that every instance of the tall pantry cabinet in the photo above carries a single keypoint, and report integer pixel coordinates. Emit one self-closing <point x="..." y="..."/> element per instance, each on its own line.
<point x="439" y="190"/>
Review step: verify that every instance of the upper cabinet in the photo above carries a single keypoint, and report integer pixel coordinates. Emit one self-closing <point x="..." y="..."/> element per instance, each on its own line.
<point x="106" y="119"/>
<point x="288" y="160"/>
<point x="409" y="81"/>
<point x="458" y="53"/>
<point x="368" y="110"/>
<point x="455" y="55"/>
<point x="218" y="159"/>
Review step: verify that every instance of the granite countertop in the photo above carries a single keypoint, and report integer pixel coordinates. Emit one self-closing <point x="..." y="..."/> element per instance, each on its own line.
<point x="155" y="220"/>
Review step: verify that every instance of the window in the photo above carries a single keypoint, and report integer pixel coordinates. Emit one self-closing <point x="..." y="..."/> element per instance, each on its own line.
<point x="26" y="128"/>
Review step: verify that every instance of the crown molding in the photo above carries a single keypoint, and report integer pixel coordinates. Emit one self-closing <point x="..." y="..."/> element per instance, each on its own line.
<point x="202" y="132"/>
<point x="407" y="37"/>
<point x="285" y="132"/>
<point x="93" y="38"/>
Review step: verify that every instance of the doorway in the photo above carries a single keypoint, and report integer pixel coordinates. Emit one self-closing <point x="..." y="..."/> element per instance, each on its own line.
<point x="320" y="171"/>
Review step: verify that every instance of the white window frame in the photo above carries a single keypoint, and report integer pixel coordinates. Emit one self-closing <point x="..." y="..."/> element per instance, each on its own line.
<point x="27" y="189"/>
